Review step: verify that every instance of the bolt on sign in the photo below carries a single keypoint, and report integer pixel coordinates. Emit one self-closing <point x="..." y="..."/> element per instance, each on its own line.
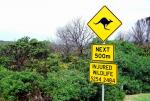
<point x="104" y="23"/>
<point x="103" y="73"/>
<point x="103" y="52"/>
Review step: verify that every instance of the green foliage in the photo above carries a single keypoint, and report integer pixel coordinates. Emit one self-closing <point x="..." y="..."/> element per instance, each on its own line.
<point x="61" y="85"/>
<point x="132" y="86"/>
<point x="15" y="85"/>
<point x="23" y="51"/>
<point x="134" y="66"/>
<point x="68" y="84"/>
<point x="4" y="61"/>
<point x="53" y="61"/>
<point x="113" y="93"/>
<point x="65" y="78"/>
<point x="126" y="47"/>
<point x="79" y="64"/>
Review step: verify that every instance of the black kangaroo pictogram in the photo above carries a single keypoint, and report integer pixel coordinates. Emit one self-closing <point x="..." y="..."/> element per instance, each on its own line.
<point x="105" y="22"/>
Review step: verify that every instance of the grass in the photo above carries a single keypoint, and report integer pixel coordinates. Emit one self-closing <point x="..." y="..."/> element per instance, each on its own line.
<point x="138" y="97"/>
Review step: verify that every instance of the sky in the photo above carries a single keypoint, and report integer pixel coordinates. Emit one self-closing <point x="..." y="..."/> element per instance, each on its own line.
<point x="40" y="19"/>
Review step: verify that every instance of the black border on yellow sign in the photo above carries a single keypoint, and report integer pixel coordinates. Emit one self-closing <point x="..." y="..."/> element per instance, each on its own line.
<point x="106" y="83"/>
<point x="112" y="32"/>
<point x="103" y="60"/>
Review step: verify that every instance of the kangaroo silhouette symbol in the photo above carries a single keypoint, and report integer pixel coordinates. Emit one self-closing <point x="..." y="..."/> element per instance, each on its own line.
<point x="104" y="22"/>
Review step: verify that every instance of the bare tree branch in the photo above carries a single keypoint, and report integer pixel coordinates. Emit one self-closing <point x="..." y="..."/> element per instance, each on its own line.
<point x="76" y="35"/>
<point x="139" y="32"/>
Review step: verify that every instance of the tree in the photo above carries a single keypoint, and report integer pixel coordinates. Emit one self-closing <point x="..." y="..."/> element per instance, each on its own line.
<point x="23" y="51"/>
<point x="74" y="36"/>
<point x="148" y="30"/>
<point x="140" y="32"/>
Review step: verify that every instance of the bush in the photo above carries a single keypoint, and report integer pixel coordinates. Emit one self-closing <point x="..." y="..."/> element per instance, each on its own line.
<point x="23" y="51"/>
<point x="65" y="85"/>
<point x="80" y="64"/>
<point x="17" y="85"/>
<point x="114" y="93"/>
<point x="134" y="66"/>
<point x="133" y="87"/>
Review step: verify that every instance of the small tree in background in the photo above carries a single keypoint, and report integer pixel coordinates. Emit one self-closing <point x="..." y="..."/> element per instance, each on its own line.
<point x="140" y="32"/>
<point x="74" y="37"/>
<point x="148" y="30"/>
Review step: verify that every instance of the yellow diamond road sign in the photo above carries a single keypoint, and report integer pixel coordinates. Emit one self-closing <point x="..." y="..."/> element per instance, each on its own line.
<point x="104" y="23"/>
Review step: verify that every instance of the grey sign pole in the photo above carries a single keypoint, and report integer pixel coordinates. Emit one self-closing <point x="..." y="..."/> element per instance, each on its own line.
<point x="103" y="88"/>
<point x="103" y="92"/>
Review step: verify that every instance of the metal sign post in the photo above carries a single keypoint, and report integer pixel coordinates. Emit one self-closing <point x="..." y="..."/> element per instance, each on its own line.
<point x="103" y="88"/>
<point x="103" y="92"/>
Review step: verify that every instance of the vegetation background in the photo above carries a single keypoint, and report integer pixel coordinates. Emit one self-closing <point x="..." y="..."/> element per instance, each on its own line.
<point x="32" y="70"/>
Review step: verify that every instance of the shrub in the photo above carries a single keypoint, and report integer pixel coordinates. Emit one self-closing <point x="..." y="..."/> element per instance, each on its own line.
<point x="68" y="84"/>
<point x="114" y="93"/>
<point x="133" y="87"/>
<point x="17" y="85"/>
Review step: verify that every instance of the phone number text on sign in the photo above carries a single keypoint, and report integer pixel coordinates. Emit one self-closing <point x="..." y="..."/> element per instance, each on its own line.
<point x="103" y="73"/>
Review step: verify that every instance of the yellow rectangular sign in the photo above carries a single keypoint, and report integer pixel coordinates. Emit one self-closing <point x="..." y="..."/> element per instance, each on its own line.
<point x="103" y="73"/>
<point x="102" y="52"/>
